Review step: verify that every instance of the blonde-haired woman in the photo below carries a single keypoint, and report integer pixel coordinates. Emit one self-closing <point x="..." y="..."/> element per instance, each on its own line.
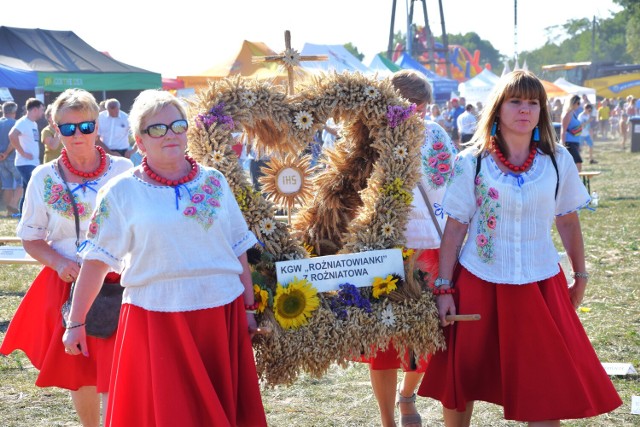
<point x="571" y="129"/>
<point x="183" y="354"/>
<point x="48" y="232"/>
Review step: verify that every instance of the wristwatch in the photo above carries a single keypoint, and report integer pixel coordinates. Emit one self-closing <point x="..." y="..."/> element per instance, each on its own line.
<point x="439" y="282"/>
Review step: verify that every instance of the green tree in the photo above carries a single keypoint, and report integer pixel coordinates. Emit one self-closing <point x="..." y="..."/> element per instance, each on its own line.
<point x="354" y="51"/>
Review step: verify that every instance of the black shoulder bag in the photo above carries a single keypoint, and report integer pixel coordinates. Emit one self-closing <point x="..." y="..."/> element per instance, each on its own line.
<point x="102" y="318"/>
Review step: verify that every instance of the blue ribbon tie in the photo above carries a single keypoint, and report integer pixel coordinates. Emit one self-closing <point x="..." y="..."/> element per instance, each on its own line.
<point x="85" y="185"/>
<point x="437" y="207"/>
<point x="177" y="190"/>
<point x="518" y="178"/>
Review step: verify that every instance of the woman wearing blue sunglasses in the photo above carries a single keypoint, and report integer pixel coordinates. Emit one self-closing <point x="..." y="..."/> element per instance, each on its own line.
<point x="48" y="232"/>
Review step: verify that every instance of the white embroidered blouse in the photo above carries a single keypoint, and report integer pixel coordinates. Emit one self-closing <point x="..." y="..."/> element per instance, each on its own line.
<point x="48" y="213"/>
<point x="437" y="159"/>
<point x="510" y="217"/>
<point x="177" y="248"/>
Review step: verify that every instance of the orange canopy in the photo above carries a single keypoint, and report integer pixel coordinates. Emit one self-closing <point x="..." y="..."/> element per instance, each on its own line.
<point x="553" y="90"/>
<point x="242" y="65"/>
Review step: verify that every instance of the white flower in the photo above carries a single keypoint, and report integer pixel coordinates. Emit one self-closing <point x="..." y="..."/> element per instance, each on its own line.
<point x="217" y="156"/>
<point x="400" y="152"/>
<point x="303" y="119"/>
<point x="291" y="58"/>
<point x="267" y="226"/>
<point x="387" y="229"/>
<point x="249" y="98"/>
<point x="371" y="92"/>
<point x="387" y="317"/>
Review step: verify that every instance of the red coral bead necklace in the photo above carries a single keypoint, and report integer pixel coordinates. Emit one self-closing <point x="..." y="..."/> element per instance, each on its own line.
<point x="172" y="182"/>
<point x="67" y="163"/>
<point x="511" y="166"/>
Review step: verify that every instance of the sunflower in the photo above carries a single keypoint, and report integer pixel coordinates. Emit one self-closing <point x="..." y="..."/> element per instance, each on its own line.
<point x="303" y="119"/>
<point x="294" y="304"/>
<point x="267" y="226"/>
<point x="261" y="297"/>
<point x="310" y="250"/>
<point x="384" y="286"/>
<point x="407" y="252"/>
<point x="387" y="318"/>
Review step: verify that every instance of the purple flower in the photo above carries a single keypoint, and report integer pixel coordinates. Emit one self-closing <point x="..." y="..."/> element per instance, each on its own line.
<point x="481" y="240"/>
<point x="433" y="162"/>
<point x="190" y="211"/>
<point x="493" y="193"/>
<point x="214" y="181"/>
<point x="397" y="114"/>
<point x="349" y="296"/>
<point x="478" y="181"/>
<point x="197" y="198"/>
<point x="215" y="115"/>
<point x="207" y="189"/>
<point x="214" y="202"/>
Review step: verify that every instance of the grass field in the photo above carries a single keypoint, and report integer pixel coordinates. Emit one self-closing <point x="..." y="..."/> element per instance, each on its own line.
<point x="343" y="397"/>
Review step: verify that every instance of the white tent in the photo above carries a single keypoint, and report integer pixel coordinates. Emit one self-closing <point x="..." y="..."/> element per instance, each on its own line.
<point x="479" y="87"/>
<point x="574" y="89"/>
<point x="339" y="59"/>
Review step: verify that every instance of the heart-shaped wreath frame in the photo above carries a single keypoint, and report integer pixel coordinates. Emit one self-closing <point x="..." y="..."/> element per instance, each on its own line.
<point x="361" y="202"/>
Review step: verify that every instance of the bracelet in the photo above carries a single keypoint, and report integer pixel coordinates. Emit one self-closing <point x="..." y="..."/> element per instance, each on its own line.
<point x="75" y="326"/>
<point x="250" y="311"/>
<point x="582" y="274"/>
<point x="449" y="291"/>
<point x="251" y="307"/>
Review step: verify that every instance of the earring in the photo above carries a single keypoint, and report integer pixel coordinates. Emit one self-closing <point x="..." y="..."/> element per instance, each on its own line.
<point x="494" y="127"/>
<point x="536" y="134"/>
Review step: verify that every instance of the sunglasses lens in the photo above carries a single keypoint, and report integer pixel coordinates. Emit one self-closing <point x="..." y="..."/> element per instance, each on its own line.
<point x="179" y="126"/>
<point x="157" y="131"/>
<point x="87" y="127"/>
<point x="67" y="129"/>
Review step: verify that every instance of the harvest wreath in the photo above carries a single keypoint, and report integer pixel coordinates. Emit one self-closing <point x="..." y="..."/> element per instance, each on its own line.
<point x="361" y="200"/>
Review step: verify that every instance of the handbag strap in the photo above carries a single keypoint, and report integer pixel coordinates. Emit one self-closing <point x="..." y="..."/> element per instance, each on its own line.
<point x="428" y="203"/>
<point x="76" y="215"/>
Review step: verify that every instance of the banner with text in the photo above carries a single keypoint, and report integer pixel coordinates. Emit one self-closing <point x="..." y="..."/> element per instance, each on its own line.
<point x="326" y="273"/>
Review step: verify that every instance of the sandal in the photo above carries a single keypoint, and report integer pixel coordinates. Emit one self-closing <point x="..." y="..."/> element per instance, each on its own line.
<point x="407" y="419"/>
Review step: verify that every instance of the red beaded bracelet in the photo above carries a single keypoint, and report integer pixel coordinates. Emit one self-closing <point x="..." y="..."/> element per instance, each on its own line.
<point x="449" y="291"/>
<point x="252" y="307"/>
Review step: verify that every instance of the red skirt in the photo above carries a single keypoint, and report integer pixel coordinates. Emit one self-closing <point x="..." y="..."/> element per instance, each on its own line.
<point x="36" y="328"/>
<point x="528" y="353"/>
<point x="184" y="369"/>
<point x="390" y="357"/>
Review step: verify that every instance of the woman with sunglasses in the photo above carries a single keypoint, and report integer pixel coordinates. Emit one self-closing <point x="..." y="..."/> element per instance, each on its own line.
<point x="183" y="352"/>
<point x="48" y="232"/>
<point x="571" y="130"/>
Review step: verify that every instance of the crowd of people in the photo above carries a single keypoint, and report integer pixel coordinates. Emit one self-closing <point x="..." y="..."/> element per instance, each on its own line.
<point x="182" y="351"/>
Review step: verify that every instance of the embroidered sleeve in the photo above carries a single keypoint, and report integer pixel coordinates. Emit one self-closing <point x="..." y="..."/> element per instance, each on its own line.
<point x="572" y="194"/>
<point x="107" y="239"/>
<point x="460" y="201"/>
<point x="438" y="154"/>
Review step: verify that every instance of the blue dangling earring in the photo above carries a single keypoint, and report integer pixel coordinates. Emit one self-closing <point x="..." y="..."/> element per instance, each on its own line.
<point x="494" y="127"/>
<point x="536" y="134"/>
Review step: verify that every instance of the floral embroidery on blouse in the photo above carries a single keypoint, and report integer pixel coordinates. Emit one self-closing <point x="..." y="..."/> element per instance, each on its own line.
<point x="489" y="206"/>
<point x="205" y="202"/>
<point x="98" y="216"/>
<point x="56" y="196"/>
<point x="436" y="164"/>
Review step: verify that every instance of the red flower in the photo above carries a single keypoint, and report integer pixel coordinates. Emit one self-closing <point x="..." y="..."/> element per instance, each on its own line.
<point x="54" y="198"/>
<point x="93" y="228"/>
<point x="438" y="145"/>
<point x="433" y="162"/>
<point x="443" y="168"/>
<point x="207" y="189"/>
<point x="190" y="211"/>
<point x="197" y="198"/>
<point x="437" y="179"/>
<point x="491" y="222"/>
<point x="56" y="188"/>
<point x="443" y="156"/>
<point x="493" y="193"/>
<point x="481" y="240"/>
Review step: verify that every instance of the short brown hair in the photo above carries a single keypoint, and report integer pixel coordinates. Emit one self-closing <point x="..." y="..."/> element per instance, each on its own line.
<point x="413" y="86"/>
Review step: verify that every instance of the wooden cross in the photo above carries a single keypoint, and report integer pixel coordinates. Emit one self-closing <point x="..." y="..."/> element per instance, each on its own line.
<point x="289" y="58"/>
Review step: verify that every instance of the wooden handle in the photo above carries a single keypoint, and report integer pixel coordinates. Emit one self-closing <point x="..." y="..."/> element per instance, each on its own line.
<point x="461" y="317"/>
